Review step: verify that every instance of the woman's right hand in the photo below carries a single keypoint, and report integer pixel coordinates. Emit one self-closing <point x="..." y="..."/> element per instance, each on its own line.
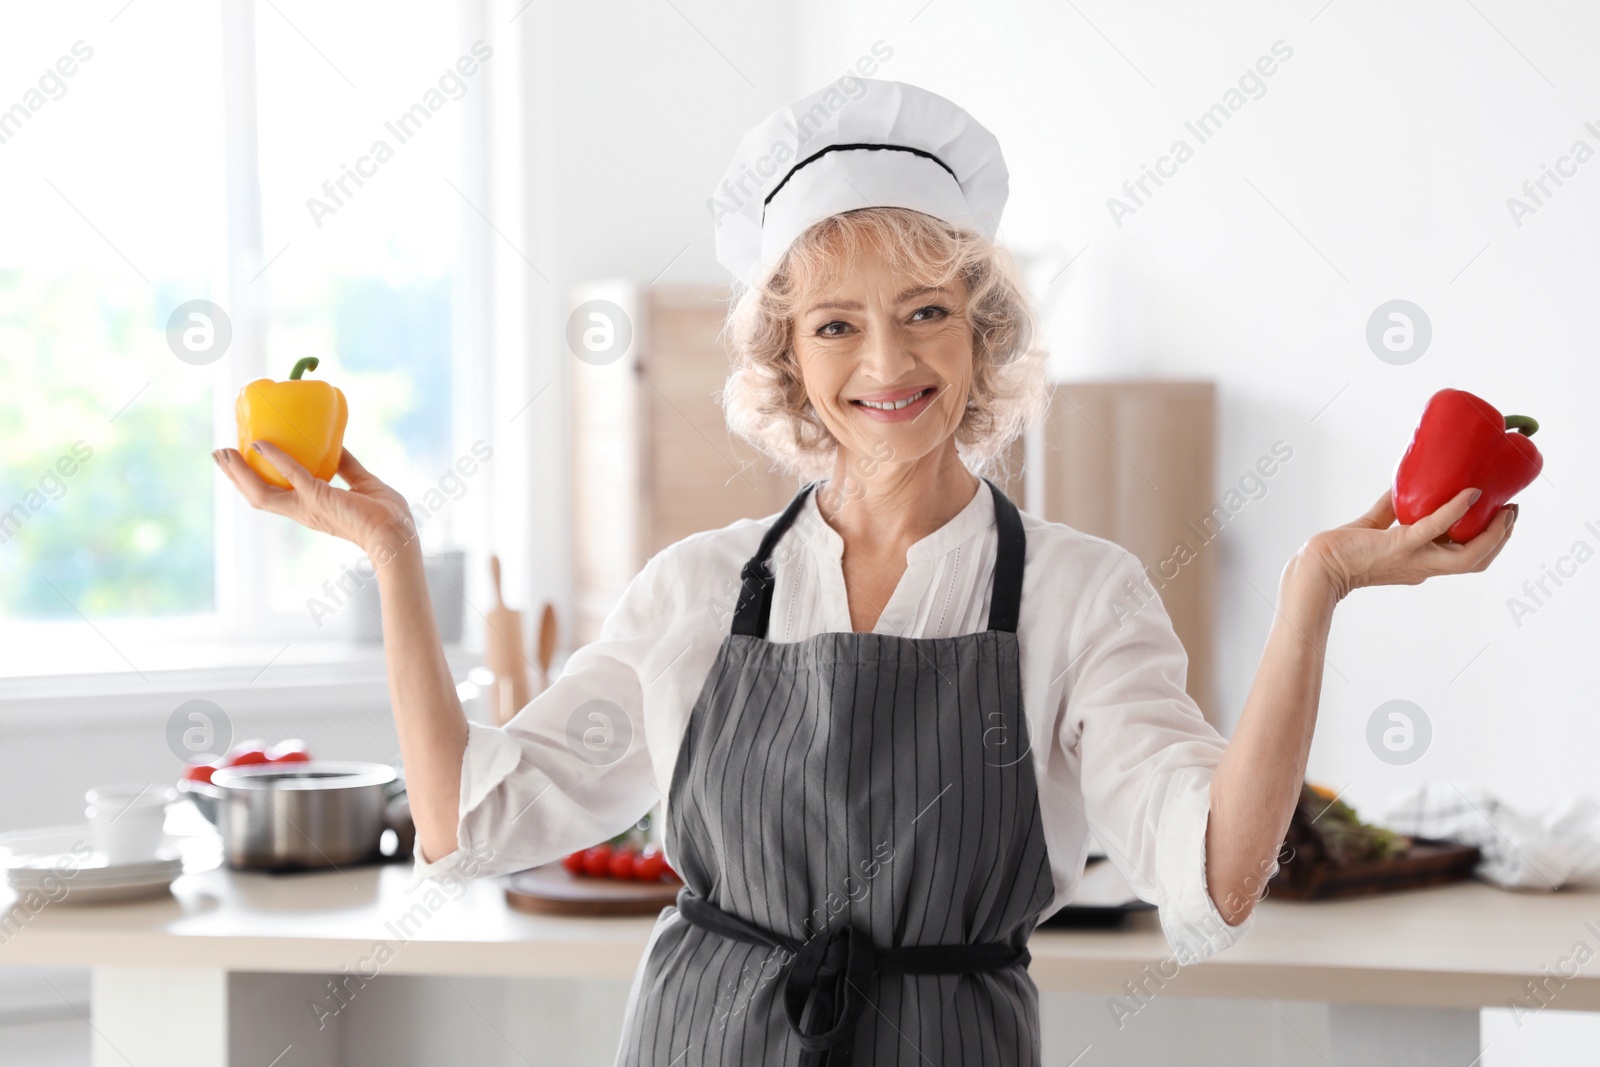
<point x="369" y="513"/>
<point x="429" y="722"/>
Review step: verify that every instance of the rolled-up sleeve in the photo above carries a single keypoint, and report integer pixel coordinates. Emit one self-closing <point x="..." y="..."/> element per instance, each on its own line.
<point x="571" y="768"/>
<point x="1146" y="756"/>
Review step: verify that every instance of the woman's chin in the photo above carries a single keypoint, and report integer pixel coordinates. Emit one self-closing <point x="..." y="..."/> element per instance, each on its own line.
<point x="876" y="443"/>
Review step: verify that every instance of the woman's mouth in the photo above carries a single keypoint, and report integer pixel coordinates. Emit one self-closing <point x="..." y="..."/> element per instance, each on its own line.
<point x="898" y="409"/>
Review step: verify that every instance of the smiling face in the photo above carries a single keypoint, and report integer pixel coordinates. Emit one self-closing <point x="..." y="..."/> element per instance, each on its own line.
<point x="885" y="360"/>
<point x="796" y="366"/>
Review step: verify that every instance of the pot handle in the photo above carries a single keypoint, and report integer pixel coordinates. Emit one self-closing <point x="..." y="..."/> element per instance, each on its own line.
<point x="396" y="788"/>
<point x="397" y="817"/>
<point x="202" y="792"/>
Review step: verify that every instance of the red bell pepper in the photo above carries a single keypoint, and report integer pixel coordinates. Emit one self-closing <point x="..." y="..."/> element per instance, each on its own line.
<point x="1462" y="442"/>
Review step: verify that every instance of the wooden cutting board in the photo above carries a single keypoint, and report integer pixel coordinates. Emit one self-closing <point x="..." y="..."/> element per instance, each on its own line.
<point x="1426" y="863"/>
<point x="552" y="890"/>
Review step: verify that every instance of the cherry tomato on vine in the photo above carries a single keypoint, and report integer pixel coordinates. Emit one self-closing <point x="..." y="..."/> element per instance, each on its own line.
<point x="650" y="865"/>
<point x="597" y="861"/>
<point x="622" y="861"/>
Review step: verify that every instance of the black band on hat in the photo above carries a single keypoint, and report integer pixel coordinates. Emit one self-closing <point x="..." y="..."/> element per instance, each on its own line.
<point x="850" y="147"/>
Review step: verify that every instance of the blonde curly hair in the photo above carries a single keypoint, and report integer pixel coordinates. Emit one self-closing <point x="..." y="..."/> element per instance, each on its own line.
<point x="764" y="398"/>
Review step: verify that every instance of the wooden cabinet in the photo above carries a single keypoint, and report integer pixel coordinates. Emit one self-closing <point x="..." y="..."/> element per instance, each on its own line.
<point x="653" y="461"/>
<point x="1134" y="462"/>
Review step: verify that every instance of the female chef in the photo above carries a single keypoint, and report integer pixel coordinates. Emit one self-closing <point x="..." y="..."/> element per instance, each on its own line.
<point x="884" y="722"/>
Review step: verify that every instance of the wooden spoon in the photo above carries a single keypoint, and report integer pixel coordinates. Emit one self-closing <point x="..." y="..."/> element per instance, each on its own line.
<point x="504" y="653"/>
<point x="546" y="642"/>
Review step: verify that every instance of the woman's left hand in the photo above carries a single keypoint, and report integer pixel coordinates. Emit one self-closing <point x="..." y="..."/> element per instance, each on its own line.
<point x="1373" y="551"/>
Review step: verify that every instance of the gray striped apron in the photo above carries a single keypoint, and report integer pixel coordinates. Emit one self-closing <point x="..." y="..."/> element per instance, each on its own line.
<point x="856" y="820"/>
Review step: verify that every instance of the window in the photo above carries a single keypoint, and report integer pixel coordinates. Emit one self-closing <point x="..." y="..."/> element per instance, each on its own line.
<point x="359" y="233"/>
<point x="290" y="173"/>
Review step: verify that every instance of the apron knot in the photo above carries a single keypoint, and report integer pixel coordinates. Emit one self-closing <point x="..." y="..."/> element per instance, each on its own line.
<point x="825" y="990"/>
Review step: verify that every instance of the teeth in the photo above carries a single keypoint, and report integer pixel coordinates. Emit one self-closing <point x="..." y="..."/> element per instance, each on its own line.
<point x="896" y="405"/>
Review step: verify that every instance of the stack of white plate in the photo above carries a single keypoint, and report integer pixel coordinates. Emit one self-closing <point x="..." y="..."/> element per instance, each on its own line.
<point x="61" y="865"/>
<point x="71" y="878"/>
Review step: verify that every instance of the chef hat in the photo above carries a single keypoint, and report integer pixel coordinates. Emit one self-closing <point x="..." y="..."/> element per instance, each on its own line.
<point x="882" y="144"/>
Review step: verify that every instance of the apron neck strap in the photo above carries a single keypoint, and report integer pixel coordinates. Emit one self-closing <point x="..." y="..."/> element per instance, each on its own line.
<point x="1005" y="601"/>
<point x="756" y="584"/>
<point x="756" y="580"/>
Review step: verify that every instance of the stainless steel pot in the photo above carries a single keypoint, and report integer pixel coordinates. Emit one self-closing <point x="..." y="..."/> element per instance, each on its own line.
<point x="296" y="816"/>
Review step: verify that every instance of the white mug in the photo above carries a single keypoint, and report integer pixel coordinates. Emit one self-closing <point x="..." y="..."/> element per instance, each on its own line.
<point x="126" y="821"/>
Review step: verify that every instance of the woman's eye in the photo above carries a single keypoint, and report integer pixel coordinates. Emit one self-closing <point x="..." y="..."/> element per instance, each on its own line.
<point x="937" y="313"/>
<point x="829" y="330"/>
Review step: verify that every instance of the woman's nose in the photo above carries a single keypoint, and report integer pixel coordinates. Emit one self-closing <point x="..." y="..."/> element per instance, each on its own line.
<point x="887" y="350"/>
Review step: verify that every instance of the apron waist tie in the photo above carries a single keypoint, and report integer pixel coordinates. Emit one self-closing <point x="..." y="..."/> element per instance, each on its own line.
<point x="824" y="992"/>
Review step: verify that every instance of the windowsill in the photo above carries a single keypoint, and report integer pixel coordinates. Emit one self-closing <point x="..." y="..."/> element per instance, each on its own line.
<point x="193" y="667"/>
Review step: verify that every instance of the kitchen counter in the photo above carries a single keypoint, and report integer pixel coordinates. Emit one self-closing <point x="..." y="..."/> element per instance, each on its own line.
<point x="1401" y="948"/>
<point x="1458" y="947"/>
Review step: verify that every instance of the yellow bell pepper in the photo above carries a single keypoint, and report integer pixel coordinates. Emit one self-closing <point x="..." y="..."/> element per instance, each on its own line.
<point x="305" y="419"/>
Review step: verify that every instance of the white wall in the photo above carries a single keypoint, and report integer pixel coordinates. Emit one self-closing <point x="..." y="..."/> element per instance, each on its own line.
<point x="630" y="113"/>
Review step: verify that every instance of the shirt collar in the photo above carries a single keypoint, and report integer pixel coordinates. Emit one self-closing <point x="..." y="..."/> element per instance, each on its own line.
<point x="967" y="524"/>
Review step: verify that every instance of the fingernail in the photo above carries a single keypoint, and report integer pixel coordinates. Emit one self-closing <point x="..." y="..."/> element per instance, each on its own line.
<point x="1473" y="499"/>
<point x="256" y="446"/>
<point x="1512" y="521"/>
<point x="221" y="456"/>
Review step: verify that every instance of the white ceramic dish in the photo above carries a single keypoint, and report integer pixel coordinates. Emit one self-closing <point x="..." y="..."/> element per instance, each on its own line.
<point x="94" y="870"/>
<point x="106" y="894"/>
<point x="98" y="891"/>
<point x="45" y="860"/>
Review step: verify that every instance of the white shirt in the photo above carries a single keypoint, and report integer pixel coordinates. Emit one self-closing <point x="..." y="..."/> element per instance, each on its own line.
<point x="1117" y="744"/>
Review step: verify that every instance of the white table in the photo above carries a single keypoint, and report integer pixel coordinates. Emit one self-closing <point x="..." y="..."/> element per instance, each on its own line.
<point x="201" y="977"/>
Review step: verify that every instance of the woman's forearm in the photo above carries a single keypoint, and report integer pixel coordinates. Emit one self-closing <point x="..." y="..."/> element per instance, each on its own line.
<point x="1257" y="784"/>
<point x="427" y="714"/>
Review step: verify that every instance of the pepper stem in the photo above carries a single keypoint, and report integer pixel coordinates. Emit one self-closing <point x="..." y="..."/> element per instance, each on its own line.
<point x="310" y="363"/>
<point x="1523" y="424"/>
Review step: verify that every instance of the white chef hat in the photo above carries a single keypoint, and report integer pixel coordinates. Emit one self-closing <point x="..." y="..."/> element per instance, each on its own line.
<point x="857" y="143"/>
